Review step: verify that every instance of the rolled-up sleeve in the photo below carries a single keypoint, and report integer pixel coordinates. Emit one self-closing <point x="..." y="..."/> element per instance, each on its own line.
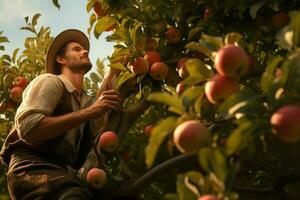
<point x="39" y="100"/>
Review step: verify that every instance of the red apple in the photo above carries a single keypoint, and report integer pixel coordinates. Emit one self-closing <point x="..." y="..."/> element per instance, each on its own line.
<point x="159" y="71"/>
<point x="218" y="88"/>
<point x="20" y="81"/>
<point x="151" y="44"/>
<point x="231" y="61"/>
<point x="96" y="178"/>
<point x="109" y="141"/>
<point x="180" y="87"/>
<point x="190" y="136"/>
<point x="152" y="57"/>
<point x="285" y="123"/>
<point x="16" y="94"/>
<point x="209" y="197"/>
<point x="100" y="12"/>
<point x="279" y="20"/>
<point x="140" y="65"/>
<point x="148" y="129"/>
<point x="181" y="67"/>
<point x="208" y="12"/>
<point x="173" y="35"/>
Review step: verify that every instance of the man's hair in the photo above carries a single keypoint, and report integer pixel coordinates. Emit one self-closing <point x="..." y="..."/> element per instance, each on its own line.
<point x="61" y="52"/>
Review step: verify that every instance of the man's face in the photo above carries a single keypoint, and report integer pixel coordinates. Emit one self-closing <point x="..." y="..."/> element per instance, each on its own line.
<point x="76" y="58"/>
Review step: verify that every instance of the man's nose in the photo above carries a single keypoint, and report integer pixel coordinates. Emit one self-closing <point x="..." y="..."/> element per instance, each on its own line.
<point x="85" y="52"/>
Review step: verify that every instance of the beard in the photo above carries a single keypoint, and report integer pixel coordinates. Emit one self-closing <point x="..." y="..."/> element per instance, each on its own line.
<point x="83" y="65"/>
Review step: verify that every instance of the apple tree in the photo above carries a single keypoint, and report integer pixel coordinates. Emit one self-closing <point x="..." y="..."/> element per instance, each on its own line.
<point x="218" y="83"/>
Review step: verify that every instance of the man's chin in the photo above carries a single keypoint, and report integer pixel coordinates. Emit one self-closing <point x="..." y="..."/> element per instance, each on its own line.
<point x="87" y="66"/>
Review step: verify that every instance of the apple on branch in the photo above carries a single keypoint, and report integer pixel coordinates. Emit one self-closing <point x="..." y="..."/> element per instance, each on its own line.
<point x="190" y="136"/>
<point x="159" y="71"/>
<point x="96" y="178"/>
<point x="152" y="57"/>
<point x="109" y="141"/>
<point x="16" y="94"/>
<point x="148" y="129"/>
<point x="285" y="123"/>
<point x="232" y="61"/>
<point x="140" y="66"/>
<point x="20" y="81"/>
<point x="219" y="87"/>
<point x="173" y="35"/>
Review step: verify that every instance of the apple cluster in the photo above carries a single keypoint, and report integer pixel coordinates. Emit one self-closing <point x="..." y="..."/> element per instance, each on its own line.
<point x="150" y="63"/>
<point x="231" y="62"/>
<point x="17" y="88"/>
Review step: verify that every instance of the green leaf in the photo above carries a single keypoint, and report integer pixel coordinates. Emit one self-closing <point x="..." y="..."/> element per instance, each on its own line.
<point x="255" y="8"/>
<point x="232" y="38"/>
<point x="118" y="66"/>
<point x="158" y="134"/>
<point x="239" y="137"/>
<point x="166" y="98"/>
<point x="3" y="39"/>
<point x="35" y="18"/>
<point x="104" y="23"/>
<point x="191" y="94"/>
<point x="195" y="32"/>
<point x="219" y="164"/>
<point x="196" y="46"/>
<point x="204" y="155"/>
<point x="267" y="84"/>
<point x="123" y="78"/>
<point x="196" y="67"/>
<point x="186" y="185"/>
<point x="295" y="24"/>
<point x="15" y="54"/>
<point x="56" y="4"/>
<point x="171" y="197"/>
<point x="90" y="5"/>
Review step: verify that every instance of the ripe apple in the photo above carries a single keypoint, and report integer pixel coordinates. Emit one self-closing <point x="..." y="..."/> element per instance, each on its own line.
<point x="173" y="35"/>
<point x="209" y="197"/>
<point x="96" y="178"/>
<point x="140" y="65"/>
<point x="159" y="71"/>
<point x="16" y="94"/>
<point x="20" y="81"/>
<point x="279" y="20"/>
<point x="285" y="123"/>
<point x="109" y="141"/>
<point x="219" y="87"/>
<point x="183" y="73"/>
<point x="208" y="12"/>
<point x="231" y="61"/>
<point x="152" y="57"/>
<point x="190" y="136"/>
<point x="148" y="129"/>
<point x="98" y="9"/>
<point x="180" y="87"/>
<point x="151" y="44"/>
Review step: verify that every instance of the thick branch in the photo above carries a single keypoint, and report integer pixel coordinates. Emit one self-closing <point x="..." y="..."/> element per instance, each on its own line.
<point x="146" y="179"/>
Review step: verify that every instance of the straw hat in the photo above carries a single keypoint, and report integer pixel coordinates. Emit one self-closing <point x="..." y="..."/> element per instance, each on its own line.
<point x="70" y="35"/>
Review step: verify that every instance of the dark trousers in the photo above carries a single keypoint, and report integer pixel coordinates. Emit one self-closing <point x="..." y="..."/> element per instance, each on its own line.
<point x="32" y="177"/>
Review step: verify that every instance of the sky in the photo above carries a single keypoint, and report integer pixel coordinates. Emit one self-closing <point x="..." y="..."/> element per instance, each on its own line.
<point x="72" y="14"/>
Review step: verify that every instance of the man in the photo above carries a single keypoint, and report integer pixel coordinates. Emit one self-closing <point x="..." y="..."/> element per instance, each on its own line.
<point x="55" y="125"/>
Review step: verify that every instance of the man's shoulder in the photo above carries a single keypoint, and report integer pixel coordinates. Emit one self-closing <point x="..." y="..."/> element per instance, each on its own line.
<point x="51" y="80"/>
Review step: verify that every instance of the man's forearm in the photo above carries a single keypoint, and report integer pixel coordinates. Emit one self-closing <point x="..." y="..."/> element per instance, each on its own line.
<point x="52" y="127"/>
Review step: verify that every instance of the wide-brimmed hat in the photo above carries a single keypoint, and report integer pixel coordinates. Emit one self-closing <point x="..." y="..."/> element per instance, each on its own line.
<point x="70" y="35"/>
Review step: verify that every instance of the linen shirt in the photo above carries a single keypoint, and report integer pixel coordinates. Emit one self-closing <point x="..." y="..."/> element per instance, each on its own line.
<point x="41" y="97"/>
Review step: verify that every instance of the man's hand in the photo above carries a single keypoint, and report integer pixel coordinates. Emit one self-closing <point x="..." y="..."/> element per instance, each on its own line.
<point x="107" y="100"/>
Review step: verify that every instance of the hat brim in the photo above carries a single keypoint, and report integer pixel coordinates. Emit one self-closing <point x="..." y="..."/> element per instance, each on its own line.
<point x="70" y="35"/>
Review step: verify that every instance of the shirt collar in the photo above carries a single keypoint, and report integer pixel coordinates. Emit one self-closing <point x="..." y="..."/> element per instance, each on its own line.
<point x="69" y="86"/>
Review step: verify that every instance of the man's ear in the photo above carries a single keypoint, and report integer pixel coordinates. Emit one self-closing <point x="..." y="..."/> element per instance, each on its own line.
<point x="60" y="60"/>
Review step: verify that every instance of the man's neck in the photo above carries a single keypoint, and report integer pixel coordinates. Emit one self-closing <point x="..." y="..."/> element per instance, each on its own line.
<point x="75" y="78"/>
